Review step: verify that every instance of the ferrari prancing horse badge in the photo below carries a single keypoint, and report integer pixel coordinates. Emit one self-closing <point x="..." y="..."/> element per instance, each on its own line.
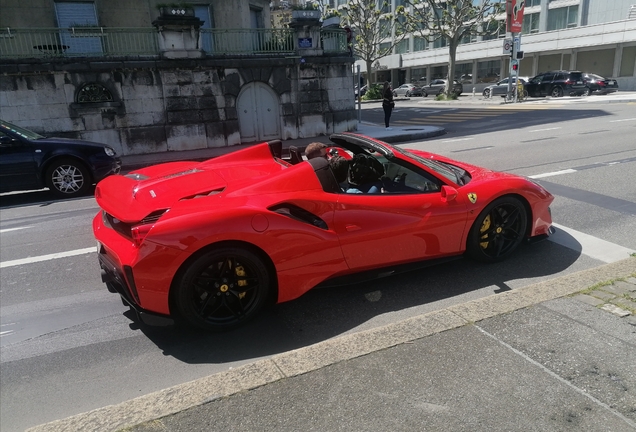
<point x="472" y="197"/>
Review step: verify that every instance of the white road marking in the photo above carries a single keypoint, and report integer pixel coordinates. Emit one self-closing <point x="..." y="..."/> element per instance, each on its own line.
<point x="589" y="245"/>
<point x="13" y="229"/>
<point x="457" y="140"/>
<point x="553" y="173"/>
<point x="6" y="333"/>
<point x="622" y="120"/>
<point x="541" y="130"/>
<point x="48" y="257"/>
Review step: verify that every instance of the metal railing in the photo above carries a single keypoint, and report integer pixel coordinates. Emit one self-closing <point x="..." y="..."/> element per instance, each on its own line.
<point x="247" y="41"/>
<point x="78" y="41"/>
<point x="116" y="42"/>
<point x="334" y="41"/>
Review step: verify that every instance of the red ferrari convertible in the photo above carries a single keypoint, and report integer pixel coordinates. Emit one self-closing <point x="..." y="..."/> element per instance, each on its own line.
<point x="212" y="243"/>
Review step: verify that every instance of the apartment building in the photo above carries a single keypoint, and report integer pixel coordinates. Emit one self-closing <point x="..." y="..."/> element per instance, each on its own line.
<point x="597" y="36"/>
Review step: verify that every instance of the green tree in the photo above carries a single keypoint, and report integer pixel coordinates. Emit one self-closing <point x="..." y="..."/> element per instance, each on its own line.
<point x="373" y="24"/>
<point x="453" y="21"/>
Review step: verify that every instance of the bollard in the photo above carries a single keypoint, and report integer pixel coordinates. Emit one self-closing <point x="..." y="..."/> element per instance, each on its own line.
<point x="473" y="91"/>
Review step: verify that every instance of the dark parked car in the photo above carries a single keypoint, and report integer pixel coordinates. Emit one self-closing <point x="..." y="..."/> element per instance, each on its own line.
<point x="68" y="167"/>
<point x="437" y="86"/>
<point x="501" y="88"/>
<point x="556" y="84"/>
<point x="598" y="85"/>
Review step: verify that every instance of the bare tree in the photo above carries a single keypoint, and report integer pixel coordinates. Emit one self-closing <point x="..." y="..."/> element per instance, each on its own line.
<point x="374" y="24"/>
<point x="453" y="20"/>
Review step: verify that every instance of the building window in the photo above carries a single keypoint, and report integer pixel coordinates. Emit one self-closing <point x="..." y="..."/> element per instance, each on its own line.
<point x="93" y="93"/>
<point x="385" y="28"/>
<point x="530" y="23"/>
<point x="561" y="18"/>
<point x="439" y="72"/>
<point x="418" y="75"/>
<point x="440" y="42"/>
<point x="402" y="47"/>
<point x="530" y="3"/>
<point x="488" y="71"/>
<point x="71" y="17"/>
<point x="204" y="13"/>
<point x="384" y="6"/>
<point x="385" y="47"/>
<point x="496" y="30"/>
<point x="419" y="44"/>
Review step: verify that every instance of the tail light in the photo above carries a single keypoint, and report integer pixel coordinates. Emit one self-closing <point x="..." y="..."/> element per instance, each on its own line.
<point x="568" y="82"/>
<point x="601" y="83"/>
<point x="139" y="233"/>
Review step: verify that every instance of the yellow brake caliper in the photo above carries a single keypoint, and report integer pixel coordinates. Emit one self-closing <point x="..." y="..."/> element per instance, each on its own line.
<point x="240" y="272"/>
<point x="484" y="227"/>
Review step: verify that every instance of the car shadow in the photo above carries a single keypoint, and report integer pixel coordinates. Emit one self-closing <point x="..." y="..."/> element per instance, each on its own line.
<point x="40" y="197"/>
<point x="325" y="313"/>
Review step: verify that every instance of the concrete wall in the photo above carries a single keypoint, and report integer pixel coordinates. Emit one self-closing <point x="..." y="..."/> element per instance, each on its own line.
<point x="169" y="105"/>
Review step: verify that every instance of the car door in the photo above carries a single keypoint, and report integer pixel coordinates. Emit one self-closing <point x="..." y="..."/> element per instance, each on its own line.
<point x="17" y="164"/>
<point x="545" y="86"/>
<point x="501" y="87"/>
<point x="381" y="229"/>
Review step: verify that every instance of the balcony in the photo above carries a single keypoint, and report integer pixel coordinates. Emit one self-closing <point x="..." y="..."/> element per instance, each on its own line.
<point x="51" y="43"/>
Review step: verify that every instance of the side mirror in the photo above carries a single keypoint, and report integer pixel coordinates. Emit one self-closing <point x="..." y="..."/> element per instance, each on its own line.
<point x="449" y="193"/>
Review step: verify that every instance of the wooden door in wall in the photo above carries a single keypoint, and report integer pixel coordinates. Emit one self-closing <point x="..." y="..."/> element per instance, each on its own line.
<point x="258" y="113"/>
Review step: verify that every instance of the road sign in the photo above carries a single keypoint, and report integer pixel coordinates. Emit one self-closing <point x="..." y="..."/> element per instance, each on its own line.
<point x="507" y="46"/>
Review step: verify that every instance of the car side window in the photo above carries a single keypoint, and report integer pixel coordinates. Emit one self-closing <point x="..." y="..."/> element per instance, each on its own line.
<point x="401" y="178"/>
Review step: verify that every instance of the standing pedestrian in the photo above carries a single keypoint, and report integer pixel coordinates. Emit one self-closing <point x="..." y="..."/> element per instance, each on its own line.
<point x="387" y="103"/>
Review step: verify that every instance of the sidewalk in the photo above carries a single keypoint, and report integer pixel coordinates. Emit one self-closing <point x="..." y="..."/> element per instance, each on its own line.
<point x="539" y="358"/>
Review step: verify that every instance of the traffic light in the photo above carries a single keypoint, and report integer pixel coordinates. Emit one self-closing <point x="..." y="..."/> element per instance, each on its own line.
<point x="515" y="67"/>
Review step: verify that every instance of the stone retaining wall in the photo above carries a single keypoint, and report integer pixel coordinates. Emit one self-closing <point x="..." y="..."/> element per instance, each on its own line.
<point x="171" y="105"/>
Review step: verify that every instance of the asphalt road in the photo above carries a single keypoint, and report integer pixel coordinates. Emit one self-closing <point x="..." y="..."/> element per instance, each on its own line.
<point x="69" y="346"/>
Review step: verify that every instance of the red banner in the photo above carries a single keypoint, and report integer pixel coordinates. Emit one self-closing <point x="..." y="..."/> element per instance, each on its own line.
<point x="514" y="15"/>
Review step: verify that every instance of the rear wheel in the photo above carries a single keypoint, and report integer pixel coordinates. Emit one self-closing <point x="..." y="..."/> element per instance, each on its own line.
<point x="498" y="230"/>
<point x="556" y="92"/>
<point x="408" y="94"/>
<point x="223" y="289"/>
<point x="68" y="178"/>
<point x="586" y="92"/>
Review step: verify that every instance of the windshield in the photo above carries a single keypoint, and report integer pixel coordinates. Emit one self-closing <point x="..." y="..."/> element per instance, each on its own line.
<point x="24" y="133"/>
<point x="439" y="167"/>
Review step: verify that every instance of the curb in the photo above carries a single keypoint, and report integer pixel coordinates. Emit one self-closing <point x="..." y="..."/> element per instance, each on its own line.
<point x="307" y="359"/>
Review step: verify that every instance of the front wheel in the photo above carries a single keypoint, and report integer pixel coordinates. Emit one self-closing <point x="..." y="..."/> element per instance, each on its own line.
<point x="486" y="93"/>
<point x="68" y="178"/>
<point x="556" y="92"/>
<point x="222" y="289"/>
<point x="498" y="230"/>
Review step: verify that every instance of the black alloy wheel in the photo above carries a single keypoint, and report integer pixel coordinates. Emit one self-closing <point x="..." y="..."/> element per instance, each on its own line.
<point x="408" y="93"/>
<point x="498" y="230"/>
<point x="587" y="91"/>
<point x="486" y="92"/>
<point x="222" y="289"/>
<point x="68" y="178"/>
<point x="556" y="92"/>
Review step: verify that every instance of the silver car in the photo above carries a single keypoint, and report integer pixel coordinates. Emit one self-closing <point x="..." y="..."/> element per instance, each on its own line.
<point x="501" y="88"/>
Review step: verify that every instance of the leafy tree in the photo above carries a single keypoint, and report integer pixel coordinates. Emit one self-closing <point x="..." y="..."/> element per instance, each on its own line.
<point x="453" y="21"/>
<point x="373" y="24"/>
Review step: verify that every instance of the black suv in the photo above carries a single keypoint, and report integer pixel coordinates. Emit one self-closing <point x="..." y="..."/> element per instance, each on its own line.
<point x="556" y="84"/>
